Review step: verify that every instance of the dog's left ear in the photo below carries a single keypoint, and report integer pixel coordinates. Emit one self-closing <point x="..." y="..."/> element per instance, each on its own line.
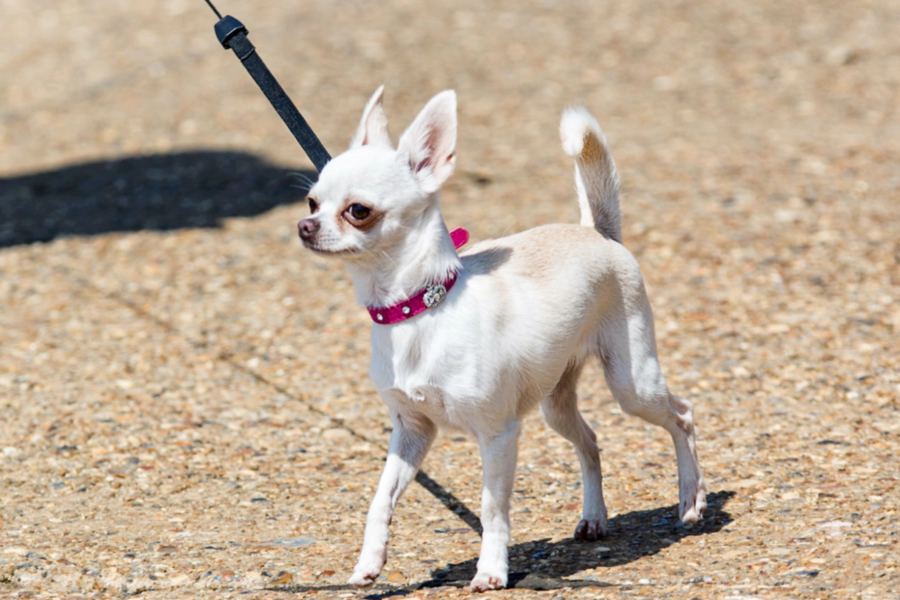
<point x="430" y="142"/>
<point x="373" y="127"/>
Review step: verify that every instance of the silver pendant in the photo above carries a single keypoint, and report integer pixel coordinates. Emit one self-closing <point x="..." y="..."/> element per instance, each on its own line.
<point x="434" y="295"/>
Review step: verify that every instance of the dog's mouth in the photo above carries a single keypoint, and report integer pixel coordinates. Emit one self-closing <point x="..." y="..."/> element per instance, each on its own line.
<point x="325" y="251"/>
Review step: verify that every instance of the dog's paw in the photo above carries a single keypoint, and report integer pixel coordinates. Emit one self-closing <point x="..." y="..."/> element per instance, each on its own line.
<point x="590" y="530"/>
<point x="692" y="506"/>
<point x="369" y="566"/>
<point x="366" y="572"/>
<point x="363" y="577"/>
<point x="488" y="581"/>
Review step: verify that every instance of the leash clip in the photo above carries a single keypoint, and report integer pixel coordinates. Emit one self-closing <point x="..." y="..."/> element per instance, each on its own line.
<point x="227" y="28"/>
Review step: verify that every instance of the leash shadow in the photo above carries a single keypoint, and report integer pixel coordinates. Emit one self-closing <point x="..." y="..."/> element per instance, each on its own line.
<point x="154" y="192"/>
<point x="450" y="502"/>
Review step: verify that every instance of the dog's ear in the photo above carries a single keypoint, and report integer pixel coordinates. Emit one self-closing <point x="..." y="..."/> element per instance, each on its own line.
<point x="430" y="142"/>
<point x="373" y="127"/>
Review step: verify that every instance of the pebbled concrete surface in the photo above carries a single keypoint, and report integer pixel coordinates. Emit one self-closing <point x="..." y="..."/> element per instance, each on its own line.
<point x="184" y="408"/>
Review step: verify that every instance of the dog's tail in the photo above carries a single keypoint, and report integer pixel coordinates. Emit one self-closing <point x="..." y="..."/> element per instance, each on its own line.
<point x="596" y="178"/>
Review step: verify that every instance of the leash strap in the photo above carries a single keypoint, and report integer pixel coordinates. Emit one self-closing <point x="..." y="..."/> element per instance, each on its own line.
<point x="233" y="36"/>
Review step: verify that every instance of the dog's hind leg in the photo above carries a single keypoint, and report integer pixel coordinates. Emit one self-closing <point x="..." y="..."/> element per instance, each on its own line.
<point x="410" y="441"/>
<point x="560" y="410"/>
<point x="498" y="457"/>
<point x="628" y="352"/>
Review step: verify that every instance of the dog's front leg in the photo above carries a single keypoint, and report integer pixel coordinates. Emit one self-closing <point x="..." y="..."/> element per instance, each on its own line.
<point x="498" y="456"/>
<point x="410" y="441"/>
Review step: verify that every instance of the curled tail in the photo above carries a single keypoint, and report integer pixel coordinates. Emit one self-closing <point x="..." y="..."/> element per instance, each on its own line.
<point x="596" y="178"/>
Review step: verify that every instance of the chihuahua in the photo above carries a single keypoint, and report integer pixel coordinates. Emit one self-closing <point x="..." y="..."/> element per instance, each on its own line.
<point x="473" y="341"/>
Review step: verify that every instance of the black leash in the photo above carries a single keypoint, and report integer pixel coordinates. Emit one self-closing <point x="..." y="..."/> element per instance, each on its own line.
<point x="233" y="35"/>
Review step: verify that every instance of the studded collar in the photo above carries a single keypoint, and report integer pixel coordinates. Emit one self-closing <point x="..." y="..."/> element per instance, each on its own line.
<point x="428" y="297"/>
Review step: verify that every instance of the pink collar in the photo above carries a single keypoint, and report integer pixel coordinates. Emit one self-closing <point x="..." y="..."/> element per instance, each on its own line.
<point x="428" y="297"/>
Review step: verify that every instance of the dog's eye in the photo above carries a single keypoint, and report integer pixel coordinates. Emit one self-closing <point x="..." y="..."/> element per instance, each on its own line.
<point x="359" y="212"/>
<point x="313" y="205"/>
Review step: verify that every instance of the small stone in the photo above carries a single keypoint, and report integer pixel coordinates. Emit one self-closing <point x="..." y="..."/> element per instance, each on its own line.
<point x="740" y="371"/>
<point x="338" y="433"/>
<point x="294" y="542"/>
<point x="806" y="573"/>
<point x="283" y="578"/>
<point x="396" y="577"/>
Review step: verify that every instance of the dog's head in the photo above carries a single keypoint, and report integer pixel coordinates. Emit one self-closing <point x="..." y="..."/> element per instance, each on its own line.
<point x="368" y="199"/>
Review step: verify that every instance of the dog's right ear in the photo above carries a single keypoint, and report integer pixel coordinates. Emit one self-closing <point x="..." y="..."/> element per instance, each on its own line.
<point x="430" y="142"/>
<point x="373" y="127"/>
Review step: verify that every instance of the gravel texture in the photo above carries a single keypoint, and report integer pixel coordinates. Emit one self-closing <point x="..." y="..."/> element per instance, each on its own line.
<point x="184" y="407"/>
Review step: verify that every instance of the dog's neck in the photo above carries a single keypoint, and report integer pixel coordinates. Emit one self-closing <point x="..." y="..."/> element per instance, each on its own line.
<point x="426" y="255"/>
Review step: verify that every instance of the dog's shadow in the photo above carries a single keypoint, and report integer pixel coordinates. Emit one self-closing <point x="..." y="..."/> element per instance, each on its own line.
<point x="542" y="564"/>
<point x="545" y="565"/>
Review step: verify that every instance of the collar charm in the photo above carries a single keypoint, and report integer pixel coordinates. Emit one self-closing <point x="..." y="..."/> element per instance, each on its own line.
<point x="434" y="295"/>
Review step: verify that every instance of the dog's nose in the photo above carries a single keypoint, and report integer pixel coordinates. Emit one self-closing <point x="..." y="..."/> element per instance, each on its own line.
<point x="308" y="228"/>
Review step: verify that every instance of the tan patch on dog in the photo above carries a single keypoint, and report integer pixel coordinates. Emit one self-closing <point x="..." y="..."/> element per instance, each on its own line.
<point x="540" y="251"/>
<point x="593" y="150"/>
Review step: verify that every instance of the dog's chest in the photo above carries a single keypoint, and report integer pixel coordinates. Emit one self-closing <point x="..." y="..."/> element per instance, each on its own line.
<point x="414" y="373"/>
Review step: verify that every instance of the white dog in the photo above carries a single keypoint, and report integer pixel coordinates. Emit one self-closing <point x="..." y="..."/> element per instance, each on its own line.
<point x="476" y="341"/>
